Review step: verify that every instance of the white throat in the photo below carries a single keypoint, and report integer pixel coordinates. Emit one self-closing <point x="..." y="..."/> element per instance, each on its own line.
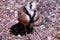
<point x="31" y="12"/>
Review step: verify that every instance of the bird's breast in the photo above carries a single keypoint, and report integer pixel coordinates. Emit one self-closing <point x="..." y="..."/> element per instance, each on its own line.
<point x="24" y="18"/>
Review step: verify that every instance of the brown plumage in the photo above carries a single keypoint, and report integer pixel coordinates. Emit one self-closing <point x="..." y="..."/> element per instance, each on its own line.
<point x="27" y="15"/>
<point x="22" y="17"/>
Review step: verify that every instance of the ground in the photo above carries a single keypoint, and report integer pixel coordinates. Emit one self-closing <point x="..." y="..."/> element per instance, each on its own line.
<point x="49" y="22"/>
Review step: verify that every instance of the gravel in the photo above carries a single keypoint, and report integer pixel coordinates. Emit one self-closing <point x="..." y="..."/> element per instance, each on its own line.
<point x="49" y="28"/>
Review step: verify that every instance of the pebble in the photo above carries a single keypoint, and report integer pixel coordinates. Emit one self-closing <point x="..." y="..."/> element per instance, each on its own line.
<point x="46" y="7"/>
<point x="49" y="38"/>
<point x="11" y="10"/>
<point x="16" y="14"/>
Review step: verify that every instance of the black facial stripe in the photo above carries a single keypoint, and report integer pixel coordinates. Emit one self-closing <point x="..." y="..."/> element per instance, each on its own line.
<point x="30" y="5"/>
<point x="25" y="10"/>
<point x="31" y="18"/>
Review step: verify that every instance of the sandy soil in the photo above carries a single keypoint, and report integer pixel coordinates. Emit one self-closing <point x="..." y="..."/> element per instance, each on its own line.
<point x="49" y="22"/>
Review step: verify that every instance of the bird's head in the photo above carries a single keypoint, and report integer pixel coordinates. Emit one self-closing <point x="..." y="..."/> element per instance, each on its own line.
<point x="31" y="5"/>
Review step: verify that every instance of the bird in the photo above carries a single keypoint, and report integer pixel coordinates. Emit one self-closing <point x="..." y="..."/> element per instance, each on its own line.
<point x="27" y="15"/>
